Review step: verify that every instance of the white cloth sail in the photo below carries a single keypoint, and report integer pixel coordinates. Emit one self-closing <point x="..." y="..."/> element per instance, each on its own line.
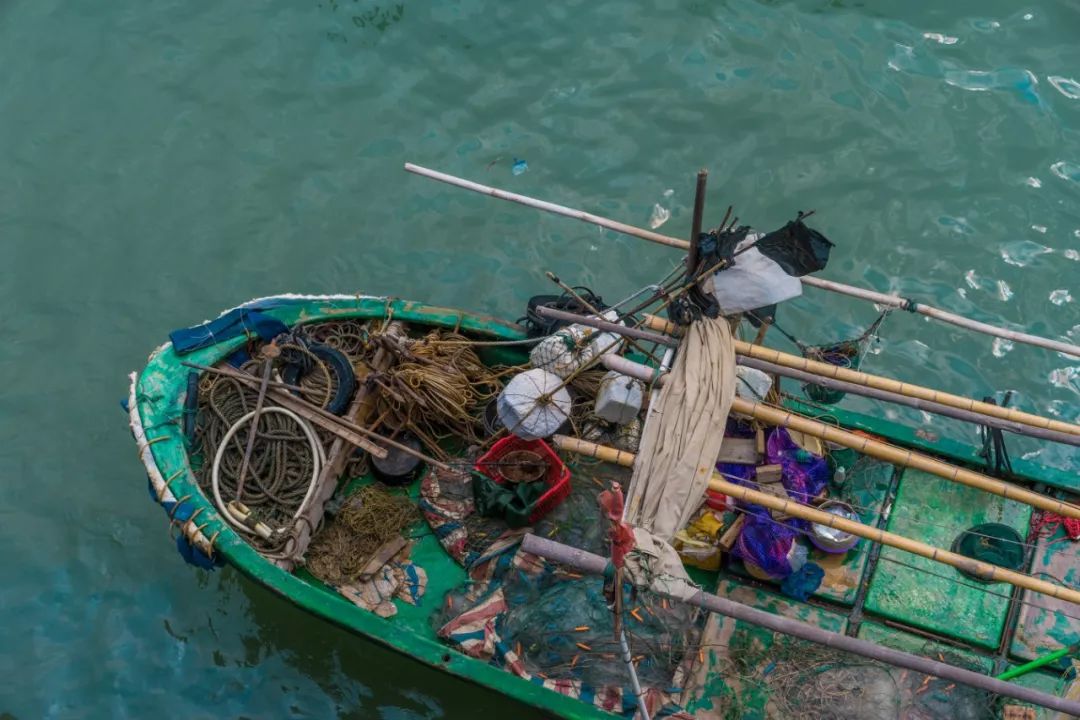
<point x="683" y="431"/>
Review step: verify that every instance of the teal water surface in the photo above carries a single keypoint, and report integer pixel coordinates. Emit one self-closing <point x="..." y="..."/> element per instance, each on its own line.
<point x="164" y="160"/>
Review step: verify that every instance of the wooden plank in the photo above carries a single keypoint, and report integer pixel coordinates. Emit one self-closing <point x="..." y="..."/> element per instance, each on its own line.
<point x="383" y="555"/>
<point x="766" y="474"/>
<point x="341" y="433"/>
<point x="742" y="451"/>
<point x="727" y="540"/>
<point x="359" y="410"/>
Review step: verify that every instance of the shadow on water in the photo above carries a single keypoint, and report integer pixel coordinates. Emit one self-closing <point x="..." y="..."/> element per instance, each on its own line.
<point x="336" y="659"/>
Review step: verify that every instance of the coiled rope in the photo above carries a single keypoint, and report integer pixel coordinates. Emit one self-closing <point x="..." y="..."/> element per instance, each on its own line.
<point x="319" y="458"/>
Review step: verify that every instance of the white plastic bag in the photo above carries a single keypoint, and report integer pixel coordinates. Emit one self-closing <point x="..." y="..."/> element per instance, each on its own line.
<point x="754" y="281"/>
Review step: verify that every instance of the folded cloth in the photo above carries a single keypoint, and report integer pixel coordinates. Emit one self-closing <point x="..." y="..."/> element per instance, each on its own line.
<point x="240" y="321"/>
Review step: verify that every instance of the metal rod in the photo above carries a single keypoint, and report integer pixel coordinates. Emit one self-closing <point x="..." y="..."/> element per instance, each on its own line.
<point x="590" y="307"/>
<point x="253" y="431"/>
<point x="587" y="562"/>
<point x="830" y="285"/>
<point x="635" y="684"/>
<point x="601" y="324"/>
<point x="695" y="226"/>
<point x="549" y="207"/>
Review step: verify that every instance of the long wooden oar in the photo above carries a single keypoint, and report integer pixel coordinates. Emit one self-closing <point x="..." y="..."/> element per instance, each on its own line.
<point x="832" y="286"/>
<point x="586" y="562"/>
<point x="981" y="569"/>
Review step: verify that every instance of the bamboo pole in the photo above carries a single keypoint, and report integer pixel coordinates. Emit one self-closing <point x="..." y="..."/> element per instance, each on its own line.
<point x="895" y="301"/>
<point x="771" y="415"/>
<point x="549" y="207"/>
<point x="878" y="382"/>
<point x="902" y="388"/>
<point x="652" y="375"/>
<point x="986" y="571"/>
<point x="587" y="562"/>
<point x="898" y="456"/>
<point x="829" y="285"/>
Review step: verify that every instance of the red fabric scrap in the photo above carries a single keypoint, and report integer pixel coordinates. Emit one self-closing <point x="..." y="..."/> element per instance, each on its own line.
<point x="1048" y="523"/>
<point x="621" y="535"/>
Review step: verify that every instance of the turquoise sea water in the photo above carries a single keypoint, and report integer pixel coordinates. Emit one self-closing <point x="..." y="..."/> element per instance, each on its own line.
<point x="163" y="160"/>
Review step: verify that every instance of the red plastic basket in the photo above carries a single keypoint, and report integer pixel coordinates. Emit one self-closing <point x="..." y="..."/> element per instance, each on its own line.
<point x="557" y="477"/>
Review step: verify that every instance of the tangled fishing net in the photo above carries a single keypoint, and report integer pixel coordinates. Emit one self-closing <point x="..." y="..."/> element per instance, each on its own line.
<point x="565" y="630"/>
<point x="366" y="521"/>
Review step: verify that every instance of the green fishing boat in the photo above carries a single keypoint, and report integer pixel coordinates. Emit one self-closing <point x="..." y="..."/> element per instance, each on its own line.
<point x="361" y="457"/>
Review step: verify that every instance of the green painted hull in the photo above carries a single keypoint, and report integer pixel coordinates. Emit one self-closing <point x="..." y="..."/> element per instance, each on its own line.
<point x="156" y="406"/>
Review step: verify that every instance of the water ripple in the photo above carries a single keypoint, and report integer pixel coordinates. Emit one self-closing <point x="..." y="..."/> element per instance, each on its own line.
<point x="1022" y="252"/>
<point x="1066" y="86"/>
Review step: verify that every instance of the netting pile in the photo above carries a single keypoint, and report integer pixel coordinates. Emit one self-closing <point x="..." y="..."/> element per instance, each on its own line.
<point x="542" y="623"/>
<point x="367" y="520"/>
<point x="562" y="628"/>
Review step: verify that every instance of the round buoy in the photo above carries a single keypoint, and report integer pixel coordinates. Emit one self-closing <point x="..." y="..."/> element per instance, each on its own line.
<point x="398" y="467"/>
<point x="534" y="405"/>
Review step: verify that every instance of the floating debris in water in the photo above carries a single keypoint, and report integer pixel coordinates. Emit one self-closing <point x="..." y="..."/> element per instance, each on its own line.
<point x="1001" y="346"/>
<point x="1072" y="254"/>
<point x="1034" y="182"/>
<point x="1066" y="170"/>
<point x="939" y="38"/>
<point x="1060" y="297"/>
<point x="971" y="279"/>
<point x="1004" y="291"/>
<point x="660" y="215"/>
<point x="1066" y="377"/>
<point x="519" y="166"/>
<point x="1039" y="228"/>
